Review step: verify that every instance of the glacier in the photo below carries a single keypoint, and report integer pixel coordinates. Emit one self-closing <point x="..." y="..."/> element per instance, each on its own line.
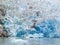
<point x="39" y="18"/>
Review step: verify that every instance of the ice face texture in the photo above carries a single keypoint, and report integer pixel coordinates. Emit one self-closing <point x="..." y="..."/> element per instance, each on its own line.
<point x="31" y="18"/>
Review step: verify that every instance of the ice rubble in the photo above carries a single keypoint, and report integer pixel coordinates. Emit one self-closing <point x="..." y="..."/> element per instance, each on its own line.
<point x="32" y="18"/>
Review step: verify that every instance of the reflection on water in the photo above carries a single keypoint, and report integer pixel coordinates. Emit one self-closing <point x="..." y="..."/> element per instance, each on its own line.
<point x="30" y="41"/>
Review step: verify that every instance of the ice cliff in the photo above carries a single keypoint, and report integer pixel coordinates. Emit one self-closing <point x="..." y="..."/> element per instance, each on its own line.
<point x="32" y="18"/>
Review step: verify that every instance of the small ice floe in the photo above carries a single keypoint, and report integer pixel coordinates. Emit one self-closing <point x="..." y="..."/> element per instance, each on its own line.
<point x="19" y="41"/>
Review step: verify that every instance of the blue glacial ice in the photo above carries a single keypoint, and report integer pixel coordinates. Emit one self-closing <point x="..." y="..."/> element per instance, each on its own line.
<point x="46" y="27"/>
<point x="27" y="22"/>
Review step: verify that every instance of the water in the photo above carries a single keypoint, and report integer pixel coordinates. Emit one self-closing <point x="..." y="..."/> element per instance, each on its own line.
<point x="30" y="41"/>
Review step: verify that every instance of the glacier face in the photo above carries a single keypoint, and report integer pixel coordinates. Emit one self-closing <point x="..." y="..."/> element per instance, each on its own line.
<point x="33" y="19"/>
